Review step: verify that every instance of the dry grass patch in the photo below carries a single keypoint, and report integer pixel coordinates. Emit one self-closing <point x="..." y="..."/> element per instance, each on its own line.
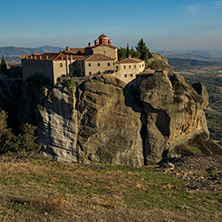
<point x="45" y="190"/>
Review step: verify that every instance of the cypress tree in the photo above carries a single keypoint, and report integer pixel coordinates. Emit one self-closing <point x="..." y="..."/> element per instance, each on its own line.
<point x="4" y="66"/>
<point x="127" y="51"/>
<point x="143" y="50"/>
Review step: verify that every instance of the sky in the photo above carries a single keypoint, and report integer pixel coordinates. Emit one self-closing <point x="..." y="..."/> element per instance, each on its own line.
<point x="163" y="24"/>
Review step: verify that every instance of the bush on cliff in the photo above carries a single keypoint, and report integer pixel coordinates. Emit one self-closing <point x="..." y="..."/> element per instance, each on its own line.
<point x="3" y="66"/>
<point x="9" y="142"/>
<point x="38" y="80"/>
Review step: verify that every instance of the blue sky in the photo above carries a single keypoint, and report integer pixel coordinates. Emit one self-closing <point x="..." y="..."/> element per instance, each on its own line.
<point x="163" y="24"/>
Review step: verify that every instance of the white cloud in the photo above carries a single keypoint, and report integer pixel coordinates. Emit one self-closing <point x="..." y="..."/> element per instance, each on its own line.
<point x="194" y="8"/>
<point x="218" y="4"/>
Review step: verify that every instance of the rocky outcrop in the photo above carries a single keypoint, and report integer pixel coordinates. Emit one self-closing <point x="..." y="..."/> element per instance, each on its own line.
<point x="159" y="62"/>
<point x="103" y="120"/>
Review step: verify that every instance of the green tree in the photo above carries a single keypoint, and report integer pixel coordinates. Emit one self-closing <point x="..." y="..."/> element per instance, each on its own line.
<point x="143" y="50"/>
<point x="9" y="142"/>
<point x="134" y="53"/>
<point x="127" y="51"/>
<point x="122" y="53"/>
<point x="4" y="66"/>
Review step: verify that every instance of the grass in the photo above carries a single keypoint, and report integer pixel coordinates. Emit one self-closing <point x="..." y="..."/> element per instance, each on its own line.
<point x="40" y="189"/>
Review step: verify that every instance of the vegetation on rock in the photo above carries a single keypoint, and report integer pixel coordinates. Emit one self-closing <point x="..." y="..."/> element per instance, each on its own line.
<point x="38" y="80"/>
<point x="9" y="142"/>
<point x="3" y="67"/>
<point x="141" y="51"/>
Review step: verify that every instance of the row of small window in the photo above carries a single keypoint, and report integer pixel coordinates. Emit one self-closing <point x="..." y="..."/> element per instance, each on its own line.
<point x="98" y="64"/>
<point x="89" y="64"/>
<point x="29" y="63"/>
<point x="134" y="66"/>
<point x="126" y="75"/>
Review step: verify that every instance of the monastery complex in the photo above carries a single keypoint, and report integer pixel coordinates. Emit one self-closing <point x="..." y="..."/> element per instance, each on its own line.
<point x="102" y="57"/>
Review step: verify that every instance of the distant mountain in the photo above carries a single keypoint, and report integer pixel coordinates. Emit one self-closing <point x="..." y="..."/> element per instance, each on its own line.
<point x="177" y="63"/>
<point x="194" y="54"/>
<point x="13" y="54"/>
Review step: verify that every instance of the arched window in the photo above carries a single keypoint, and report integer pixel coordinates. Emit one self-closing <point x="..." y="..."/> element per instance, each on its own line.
<point x="60" y="65"/>
<point x="98" y="64"/>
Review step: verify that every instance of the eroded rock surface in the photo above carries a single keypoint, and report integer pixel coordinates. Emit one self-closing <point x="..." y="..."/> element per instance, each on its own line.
<point x="103" y="120"/>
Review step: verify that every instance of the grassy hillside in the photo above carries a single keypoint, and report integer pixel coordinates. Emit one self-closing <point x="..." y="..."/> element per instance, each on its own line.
<point x="39" y="189"/>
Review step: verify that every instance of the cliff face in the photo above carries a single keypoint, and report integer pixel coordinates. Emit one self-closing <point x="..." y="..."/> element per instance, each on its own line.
<point x="103" y="120"/>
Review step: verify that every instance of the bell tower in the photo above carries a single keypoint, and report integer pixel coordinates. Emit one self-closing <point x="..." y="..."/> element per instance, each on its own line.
<point x="103" y="39"/>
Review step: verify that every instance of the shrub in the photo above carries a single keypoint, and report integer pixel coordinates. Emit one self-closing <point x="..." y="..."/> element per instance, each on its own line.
<point x="38" y="80"/>
<point x="12" y="143"/>
<point x="67" y="81"/>
<point x="179" y="88"/>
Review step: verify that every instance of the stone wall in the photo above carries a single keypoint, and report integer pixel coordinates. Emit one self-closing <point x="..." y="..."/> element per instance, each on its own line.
<point x="48" y="68"/>
<point x="31" y="66"/>
<point x="106" y="50"/>
<point x="94" y="68"/>
<point x="61" y="67"/>
<point x="128" y="71"/>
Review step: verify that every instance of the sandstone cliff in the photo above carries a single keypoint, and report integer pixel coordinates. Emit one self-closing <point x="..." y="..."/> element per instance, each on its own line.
<point x="103" y="120"/>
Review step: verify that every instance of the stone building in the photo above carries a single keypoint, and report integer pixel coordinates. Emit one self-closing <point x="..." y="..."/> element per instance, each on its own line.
<point x="91" y="60"/>
<point x="127" y="69"/>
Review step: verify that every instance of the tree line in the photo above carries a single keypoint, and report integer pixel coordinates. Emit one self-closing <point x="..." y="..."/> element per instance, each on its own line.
<point x="141" y="52"/>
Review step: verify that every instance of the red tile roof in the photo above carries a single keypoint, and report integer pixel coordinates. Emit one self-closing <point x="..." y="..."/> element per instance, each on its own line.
<point x="98" y="57"/>
<point x="129" y="60"/>
<point x="102" y="36"/>
<point x="74" y="51"/>
<point x="53" y="56"/>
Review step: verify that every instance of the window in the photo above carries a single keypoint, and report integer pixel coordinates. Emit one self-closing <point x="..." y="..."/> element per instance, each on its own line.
<point x="129" y="66"/>
<point x="124" y="67"/>
<point x="140" y="65"/>
<point x="134" y="66"/>
<point x="116" y="67"/>
<point x="131" y="75"/>
<point x="98" y="64"/>
<point x="89" y="64"/>
<point x="90" y="73"/>
<point x="125" y="75"/>
<point x="59" y="65"/>
<point x="108" y="64"/>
